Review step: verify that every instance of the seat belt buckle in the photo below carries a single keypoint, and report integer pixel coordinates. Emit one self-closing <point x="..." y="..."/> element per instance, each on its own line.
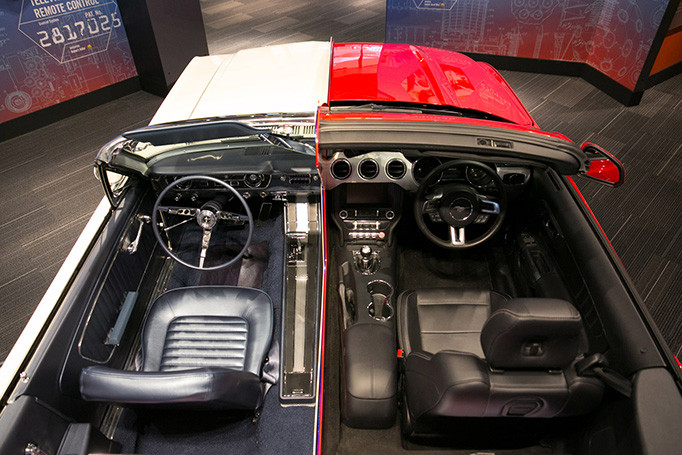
<point x="590" y="362"/>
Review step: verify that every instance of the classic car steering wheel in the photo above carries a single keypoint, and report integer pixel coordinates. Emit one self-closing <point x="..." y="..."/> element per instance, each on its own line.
<point x="207" y="217"/>
<point x="459" y="205"/>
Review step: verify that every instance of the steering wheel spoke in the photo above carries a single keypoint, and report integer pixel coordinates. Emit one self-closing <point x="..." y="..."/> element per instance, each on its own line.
<point x="205" y="241"/>
<point x="182" y="211"/>
<point x="457" y="236"/>
<point x="488" y="205"/>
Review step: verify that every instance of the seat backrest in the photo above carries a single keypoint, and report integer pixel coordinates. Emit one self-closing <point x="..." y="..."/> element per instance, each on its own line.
<point x="532" y="334"/>
<point x="208" y="326"/>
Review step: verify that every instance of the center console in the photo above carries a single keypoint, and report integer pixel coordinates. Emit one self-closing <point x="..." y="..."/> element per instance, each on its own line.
<point x="366" y="215"/>
<point x="367" y="212"/>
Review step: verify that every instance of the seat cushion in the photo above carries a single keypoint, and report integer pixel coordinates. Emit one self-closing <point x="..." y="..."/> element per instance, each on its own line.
<point x="198" y="388"/>
<point x="208" y="326"/>
<point x="433" y="320"/>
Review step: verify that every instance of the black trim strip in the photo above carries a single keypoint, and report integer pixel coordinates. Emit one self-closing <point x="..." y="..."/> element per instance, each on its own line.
<point x="663" y="75"/>
<point x="643" y="81"/>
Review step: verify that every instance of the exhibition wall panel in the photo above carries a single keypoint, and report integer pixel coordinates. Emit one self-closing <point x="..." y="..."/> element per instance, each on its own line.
<point x="612" y="36"/>
<point x="671" y="48"/>
<point x="54" y="50"/>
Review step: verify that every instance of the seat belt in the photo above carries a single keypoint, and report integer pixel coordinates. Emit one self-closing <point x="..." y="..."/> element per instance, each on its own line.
<point x="270" y="374"/>
<point x="597" y="365"/>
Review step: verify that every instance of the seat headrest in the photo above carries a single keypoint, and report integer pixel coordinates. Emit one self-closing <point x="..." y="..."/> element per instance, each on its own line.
<point x="533" y="333"/>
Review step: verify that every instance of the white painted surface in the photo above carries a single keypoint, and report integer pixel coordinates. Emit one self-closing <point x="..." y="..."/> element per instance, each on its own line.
<point x="188" y="89"/>
<point x="288" y="78"/>
<point x="41" y="315"/>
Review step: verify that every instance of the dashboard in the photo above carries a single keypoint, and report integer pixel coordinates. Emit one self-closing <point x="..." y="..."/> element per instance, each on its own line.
<point x="406" y="171"/>
<point x="369" y="209"/>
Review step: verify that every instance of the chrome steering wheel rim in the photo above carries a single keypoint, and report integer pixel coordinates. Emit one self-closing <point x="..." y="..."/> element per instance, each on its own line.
<point x="208" y="223"/>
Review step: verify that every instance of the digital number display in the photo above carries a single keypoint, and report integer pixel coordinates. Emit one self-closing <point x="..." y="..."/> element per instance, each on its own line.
<point x="93" y="26"/>
<point x="70" y="29"/>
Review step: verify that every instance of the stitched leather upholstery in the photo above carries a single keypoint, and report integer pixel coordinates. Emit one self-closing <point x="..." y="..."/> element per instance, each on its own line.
<point x="202" y="347"/>
<point x="477" y="354"/>
<point x="433" y="320"/>
<point x="554" y="325"/>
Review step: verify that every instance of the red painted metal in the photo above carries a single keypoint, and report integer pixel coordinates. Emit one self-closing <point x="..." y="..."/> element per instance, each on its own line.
<point x="417" y="74"/>
<point x="606" y="168"/>
<point x="320" y="391"/>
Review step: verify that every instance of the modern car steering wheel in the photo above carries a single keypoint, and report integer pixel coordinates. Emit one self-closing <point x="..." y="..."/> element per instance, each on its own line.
<point x="207" y="217"/>
<point x="459" y="205"/>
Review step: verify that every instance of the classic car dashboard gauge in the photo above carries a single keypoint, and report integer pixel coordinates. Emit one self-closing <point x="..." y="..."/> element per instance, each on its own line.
<point x="253" y="180"/>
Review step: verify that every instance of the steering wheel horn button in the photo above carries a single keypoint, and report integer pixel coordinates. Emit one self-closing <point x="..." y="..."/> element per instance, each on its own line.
<point x="461" y="209"/>
<point x="459" y="206"/>
<point x="206" y="219"/>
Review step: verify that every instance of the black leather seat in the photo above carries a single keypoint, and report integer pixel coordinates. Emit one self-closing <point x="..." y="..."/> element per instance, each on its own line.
<point x="202" y="347"/>
<point x="476" y="353"/>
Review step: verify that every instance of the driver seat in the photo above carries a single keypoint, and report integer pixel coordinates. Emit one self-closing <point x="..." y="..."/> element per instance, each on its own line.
<point x="202" y="347"/>
<point x="476" y="353"/>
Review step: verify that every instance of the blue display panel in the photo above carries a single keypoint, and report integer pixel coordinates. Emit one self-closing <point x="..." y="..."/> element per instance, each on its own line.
<point x="55" y="50"/>
<point x="613" y="36"/>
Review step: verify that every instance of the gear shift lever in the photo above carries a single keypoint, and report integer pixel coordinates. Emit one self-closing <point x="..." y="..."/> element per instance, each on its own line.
<point x="367" y="261"/>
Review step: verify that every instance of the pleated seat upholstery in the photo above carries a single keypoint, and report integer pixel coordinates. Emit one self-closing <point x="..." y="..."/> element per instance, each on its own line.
<point x="202" y="347"/>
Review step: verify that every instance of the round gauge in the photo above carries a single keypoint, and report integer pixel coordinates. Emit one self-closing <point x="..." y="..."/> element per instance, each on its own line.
<point x="253" y="180"/>
<point x="478" y="177"/>
<point x="423" y="167"/>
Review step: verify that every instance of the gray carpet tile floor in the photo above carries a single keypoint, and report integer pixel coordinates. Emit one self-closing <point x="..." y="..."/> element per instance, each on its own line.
<point x="47" y="194"/>
<point x="48" y="191"/>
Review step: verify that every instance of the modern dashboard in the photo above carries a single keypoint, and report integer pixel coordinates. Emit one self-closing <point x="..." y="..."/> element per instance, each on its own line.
<point x="406" y="171"/>
<point x="367" y="189"/>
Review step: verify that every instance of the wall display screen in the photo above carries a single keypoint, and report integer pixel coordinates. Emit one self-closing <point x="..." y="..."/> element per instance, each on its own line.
<point x="613" y="36"/>
<point x="54" y="50"/>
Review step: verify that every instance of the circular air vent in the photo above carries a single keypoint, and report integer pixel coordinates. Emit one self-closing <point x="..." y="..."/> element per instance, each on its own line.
<point x="368" y="169"/>
<point x="396" y="169"/>
<point x="341" y="169"/>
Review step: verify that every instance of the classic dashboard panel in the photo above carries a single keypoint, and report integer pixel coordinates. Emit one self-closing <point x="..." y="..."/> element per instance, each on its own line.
<point x="272" y="185"/>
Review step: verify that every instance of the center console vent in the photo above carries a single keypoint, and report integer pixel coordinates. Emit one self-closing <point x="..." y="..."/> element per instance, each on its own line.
<point x="341" y="169"/>
<point x="368" y="169"/>
<point x="396" y="169"/>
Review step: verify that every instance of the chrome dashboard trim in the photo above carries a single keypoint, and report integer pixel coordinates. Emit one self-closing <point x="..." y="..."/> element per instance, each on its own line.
<point x="382" y="159"/>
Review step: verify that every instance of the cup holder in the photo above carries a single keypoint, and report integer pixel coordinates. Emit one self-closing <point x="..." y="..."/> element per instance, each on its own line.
<point x="380" y="293"/>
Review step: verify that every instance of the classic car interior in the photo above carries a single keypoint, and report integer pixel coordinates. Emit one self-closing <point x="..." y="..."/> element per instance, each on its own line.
<point x="468" y="305"/>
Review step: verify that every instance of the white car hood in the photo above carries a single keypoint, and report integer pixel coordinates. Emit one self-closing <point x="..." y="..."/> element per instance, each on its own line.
<point x="288" y="78"/>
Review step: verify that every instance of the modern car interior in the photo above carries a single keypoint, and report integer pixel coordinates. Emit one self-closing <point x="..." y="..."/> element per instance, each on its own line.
<point x="475" y="310"/>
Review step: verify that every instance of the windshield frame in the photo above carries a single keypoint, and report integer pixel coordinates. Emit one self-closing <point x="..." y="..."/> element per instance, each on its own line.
<point x="486" y="139"/>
